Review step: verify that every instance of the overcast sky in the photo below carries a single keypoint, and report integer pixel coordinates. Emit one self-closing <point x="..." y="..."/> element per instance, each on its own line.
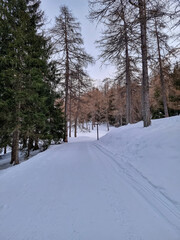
<point x="90" y="31"/>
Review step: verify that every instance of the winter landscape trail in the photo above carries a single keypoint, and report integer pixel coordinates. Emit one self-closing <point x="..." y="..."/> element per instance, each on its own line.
<point x="78" y="191"/>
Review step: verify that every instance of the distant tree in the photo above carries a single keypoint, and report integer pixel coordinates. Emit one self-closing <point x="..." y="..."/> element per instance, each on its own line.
<point x="81" y="83"/>
<point x="141" y="5"/>
<point x="119" y="39"/>
<point x="158" y="19"/>
<point x="176" y="76"/>
<point x="107" y="104"/>
<point x="69" y="47"/>
<point x="175" y="15"/>
<point x="172" y="92"/>
<point x="106" y="88"/>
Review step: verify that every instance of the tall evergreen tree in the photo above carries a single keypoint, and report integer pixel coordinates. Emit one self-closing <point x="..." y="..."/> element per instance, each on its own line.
<point x="5" y="85"/>
<point x="27" y="92"/>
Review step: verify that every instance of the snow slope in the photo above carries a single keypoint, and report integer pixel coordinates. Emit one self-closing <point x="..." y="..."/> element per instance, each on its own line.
<point x="6" y="158"/>
<point x="153" y="151"/>
<point x="96" y="190"/>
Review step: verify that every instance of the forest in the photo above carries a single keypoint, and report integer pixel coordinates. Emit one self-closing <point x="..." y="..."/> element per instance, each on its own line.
<point x="45" y="89"/>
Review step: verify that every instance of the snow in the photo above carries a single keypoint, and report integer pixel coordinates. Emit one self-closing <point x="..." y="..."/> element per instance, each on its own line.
<point x="6" y="158"/>
<point x="90" y="135"/>
<point x="153" y="151"/>
<point x="124" y="186"/>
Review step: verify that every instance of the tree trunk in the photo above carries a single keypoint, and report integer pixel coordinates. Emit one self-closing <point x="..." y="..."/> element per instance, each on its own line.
<point x="5" y="149"/>
<point x="128" y="91"/>
<point x="70" y="114"/>
<point x="163" y="86"/>
<point x="15" y="140"/>
<point x="97" y="131"/>
<point x="30" y="146"/>
<point x="24" y="142"/>
<point x="77" y="112"/>
<point x="120" y="120"/>
<point x="30" y="143"/>
<point x="75" y="128"/>
<point x="76" y="120"/>
<point x="15" y="147"/>
<point x="66" y="86"/>
<point x="108" y="126"/>
<point x="145" y="80"/>
<point x="128" y="80"/>
<point x="66" y="114"/>
<point x="36" y="146"/>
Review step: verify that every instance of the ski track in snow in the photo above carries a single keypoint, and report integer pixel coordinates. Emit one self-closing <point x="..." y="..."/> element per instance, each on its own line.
<point x="79" y="191"/>
<point x="146" y="189"/>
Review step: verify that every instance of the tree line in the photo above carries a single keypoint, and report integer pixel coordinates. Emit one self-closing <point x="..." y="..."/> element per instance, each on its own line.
<point x="107" y="104"/>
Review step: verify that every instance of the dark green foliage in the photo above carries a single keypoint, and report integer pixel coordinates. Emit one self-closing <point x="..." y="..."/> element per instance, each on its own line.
<point x="157" y="93"/>
<point x="27" y="88"/>
<point x="174" y="98"/>
<point x="157" y="113"/>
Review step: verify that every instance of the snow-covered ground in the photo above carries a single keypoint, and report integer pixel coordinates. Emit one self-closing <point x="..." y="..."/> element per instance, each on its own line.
<point x="153" y="151"/>
<point x="123" y="187"/>
<point x="87" y="134"/>
<point x="6" y="158"/>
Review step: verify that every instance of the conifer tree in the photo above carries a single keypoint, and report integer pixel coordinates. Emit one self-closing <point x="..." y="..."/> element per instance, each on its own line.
<point x="69" y="47"/>
<point x="5" y="83"/>
<point x="81" y="83"/>
<point x="157" y="27"/>
<point x="105" y="9"/>
<point x="28" y="95"/>
<point x="117" y="42"/>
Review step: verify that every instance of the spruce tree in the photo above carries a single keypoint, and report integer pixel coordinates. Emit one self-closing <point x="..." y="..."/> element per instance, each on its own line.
<point x="5" y="84"/>
<point x="28" y="94"/>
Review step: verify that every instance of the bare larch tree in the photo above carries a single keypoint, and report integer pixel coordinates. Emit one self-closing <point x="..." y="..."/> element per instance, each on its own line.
<point x="116" y="40"/>
<point x="69" y="50"/>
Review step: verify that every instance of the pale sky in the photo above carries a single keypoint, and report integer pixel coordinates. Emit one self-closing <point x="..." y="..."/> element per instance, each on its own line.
<point x="90" y="32"/>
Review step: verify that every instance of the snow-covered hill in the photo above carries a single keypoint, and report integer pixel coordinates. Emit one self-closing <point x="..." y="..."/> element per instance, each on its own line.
<point x="153" y="151"/>
<point x="125" y="186"/>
